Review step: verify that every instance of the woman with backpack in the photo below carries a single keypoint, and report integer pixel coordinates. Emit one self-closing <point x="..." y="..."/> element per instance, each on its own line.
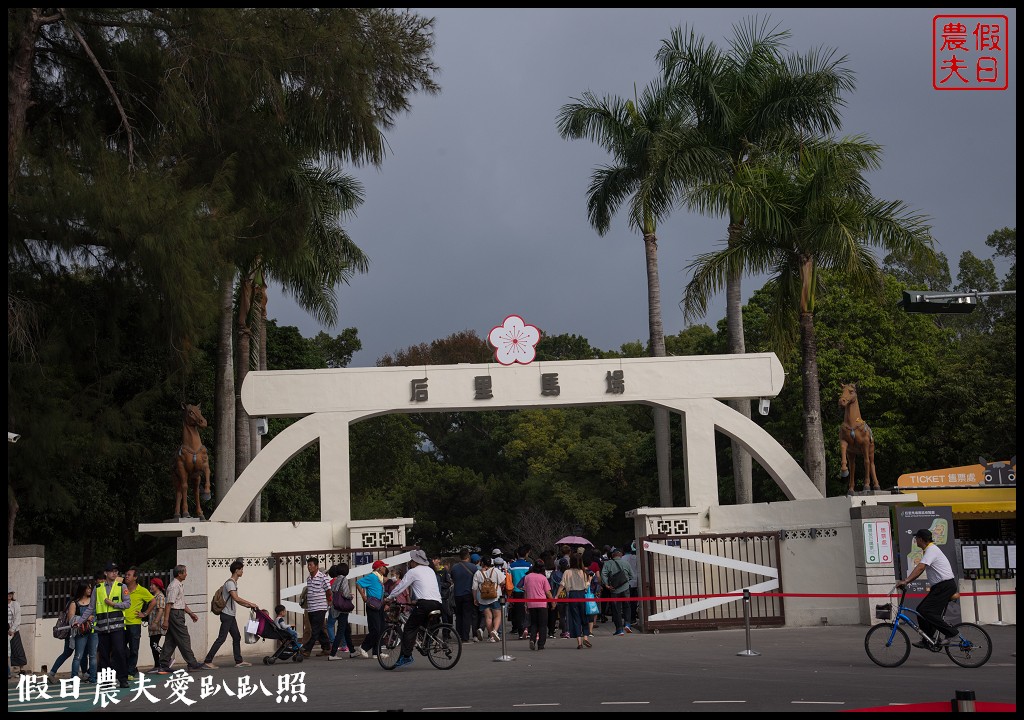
<point x="341" y="598"/>
<point x="488" y="585"/>
<point x="75" y="641"/>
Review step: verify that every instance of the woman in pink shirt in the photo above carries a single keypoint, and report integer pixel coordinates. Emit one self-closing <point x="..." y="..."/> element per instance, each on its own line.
<point x="537" y="592"/>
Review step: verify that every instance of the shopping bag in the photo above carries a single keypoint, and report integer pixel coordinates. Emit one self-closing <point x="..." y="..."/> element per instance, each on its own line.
<point x="251" y="629"/>
<point x="590" y="605"/>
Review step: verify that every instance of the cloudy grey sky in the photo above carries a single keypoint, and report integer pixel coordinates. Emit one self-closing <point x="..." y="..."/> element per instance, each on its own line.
<point x="479" y="210"/>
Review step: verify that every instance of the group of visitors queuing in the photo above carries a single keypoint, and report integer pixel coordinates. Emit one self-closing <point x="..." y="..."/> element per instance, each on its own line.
<point x="106" y="615"/>
<point x="482" y="585"/>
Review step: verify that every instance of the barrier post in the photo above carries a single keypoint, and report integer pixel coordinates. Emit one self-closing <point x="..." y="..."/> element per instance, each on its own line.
<point x="746" y="620"/>
<point x="964" y="701"/>
<point x="504" y="657"/>
<point x="999" y="601"/>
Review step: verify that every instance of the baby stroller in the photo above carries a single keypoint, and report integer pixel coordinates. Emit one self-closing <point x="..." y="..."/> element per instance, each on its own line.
<point x="268" y="629"/>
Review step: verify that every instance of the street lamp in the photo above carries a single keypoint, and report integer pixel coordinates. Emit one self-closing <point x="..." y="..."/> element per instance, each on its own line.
<point x="926" y="301"/>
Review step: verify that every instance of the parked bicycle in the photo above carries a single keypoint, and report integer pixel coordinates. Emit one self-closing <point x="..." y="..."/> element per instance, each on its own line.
<point x="888" y="645"/>
<point x="437" y="641"/>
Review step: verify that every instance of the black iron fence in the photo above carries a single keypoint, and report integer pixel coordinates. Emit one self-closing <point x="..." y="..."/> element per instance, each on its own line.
<point x="55" y="592"/>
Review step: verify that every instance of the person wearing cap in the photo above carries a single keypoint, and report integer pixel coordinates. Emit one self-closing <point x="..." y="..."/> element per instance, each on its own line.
<point x="421" y="580"/>
<point x="462" y="582"/>
<point x="943" y="588"/>
<point x="111" y="600"/>
<point x="153" y="613"/>
<point x="612" y="567"/>
<point x="318" y="599"/>
<point x="371" y="589"/>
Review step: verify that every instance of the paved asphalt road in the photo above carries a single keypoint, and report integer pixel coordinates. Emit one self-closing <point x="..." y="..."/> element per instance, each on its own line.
<point x="817" y="669"/>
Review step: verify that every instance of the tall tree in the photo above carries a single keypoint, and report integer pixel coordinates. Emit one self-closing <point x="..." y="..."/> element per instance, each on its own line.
<point x="821" y="215"/>
<point x="744" y="98"/>
<point x="637" y="134"/>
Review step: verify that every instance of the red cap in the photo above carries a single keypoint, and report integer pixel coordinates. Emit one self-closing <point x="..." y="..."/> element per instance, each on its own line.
<point x="379" y="564"/>
<point x="158" y="582"/>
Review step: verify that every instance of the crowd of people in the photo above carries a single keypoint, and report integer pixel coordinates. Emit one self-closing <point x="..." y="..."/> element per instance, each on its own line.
<point x="474" y="592"/>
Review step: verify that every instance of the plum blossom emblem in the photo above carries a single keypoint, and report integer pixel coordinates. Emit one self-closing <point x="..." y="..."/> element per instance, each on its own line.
<point x="514" y="341"/>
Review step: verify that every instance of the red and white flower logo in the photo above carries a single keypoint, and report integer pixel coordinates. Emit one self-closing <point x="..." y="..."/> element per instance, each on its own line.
<point x="514" y="341"/>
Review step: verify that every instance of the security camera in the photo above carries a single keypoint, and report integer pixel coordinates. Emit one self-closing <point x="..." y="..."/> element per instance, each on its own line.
<point x="13" y="437"/>
<point x="261" y="426"/>
<point x="763" y="405"/>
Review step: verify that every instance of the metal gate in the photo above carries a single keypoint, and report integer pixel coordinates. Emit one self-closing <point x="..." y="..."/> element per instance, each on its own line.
<point x="702" y="565"/>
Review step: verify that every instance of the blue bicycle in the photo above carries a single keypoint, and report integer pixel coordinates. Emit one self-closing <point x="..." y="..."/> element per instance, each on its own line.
<point x="888" y="645"/>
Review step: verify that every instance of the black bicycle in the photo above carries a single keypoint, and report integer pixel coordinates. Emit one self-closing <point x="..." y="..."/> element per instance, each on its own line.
<point x="439" y="642"/>
<point x="888" y="645"/>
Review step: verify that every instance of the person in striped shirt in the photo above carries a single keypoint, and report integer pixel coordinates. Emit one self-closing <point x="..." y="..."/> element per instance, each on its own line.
<point x="318" y="600"/>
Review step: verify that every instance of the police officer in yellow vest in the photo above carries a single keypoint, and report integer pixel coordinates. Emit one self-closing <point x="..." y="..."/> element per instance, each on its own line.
<point x="111" y="600"/>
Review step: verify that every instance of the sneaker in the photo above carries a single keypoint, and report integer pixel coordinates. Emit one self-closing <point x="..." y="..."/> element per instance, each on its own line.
<point x="362" y="654"/>
<point x="619" y="632"/>
<point x="629" y="629"/>
<point x="480" y="633"/>
<point x="335" y="657"/>
<point x="305" y="652"/>
<point x="403" y="661"/>
<point x="193" y="668"/>
<point x="564" y="636"/>
<point x="343" y="648"/>
<point x="492" y="639"/>
<point x="243" y="664"/>
<point x="208" y="666"/>
<point x="494" y="636"/>
<point x="551" y="636"/>
<point x="533" y="644"/>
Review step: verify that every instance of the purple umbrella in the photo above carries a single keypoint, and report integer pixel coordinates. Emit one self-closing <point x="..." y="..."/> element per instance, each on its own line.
<point x="574" y="540"/>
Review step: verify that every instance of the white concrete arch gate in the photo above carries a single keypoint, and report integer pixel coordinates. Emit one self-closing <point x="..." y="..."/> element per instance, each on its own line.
<point x="330" y="400"/>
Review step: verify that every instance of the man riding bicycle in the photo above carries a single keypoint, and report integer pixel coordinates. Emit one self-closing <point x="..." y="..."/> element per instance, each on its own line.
<point x="943" y="588"/>
<point x="422" y="580"/>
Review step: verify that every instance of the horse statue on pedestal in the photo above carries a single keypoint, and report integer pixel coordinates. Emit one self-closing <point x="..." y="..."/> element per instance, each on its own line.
<point x="191" y="463"/>
<point x="855" y="438"/>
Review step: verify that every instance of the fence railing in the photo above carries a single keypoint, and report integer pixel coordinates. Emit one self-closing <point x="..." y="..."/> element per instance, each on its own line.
<point x="55" y="592"/>
<point x="996" y="558"/>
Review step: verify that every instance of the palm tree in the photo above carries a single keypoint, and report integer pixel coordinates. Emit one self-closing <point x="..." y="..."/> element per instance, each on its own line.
<point x="638" y="134"/>
<point x="743" y="99"/>
<point x="808" y="212"/>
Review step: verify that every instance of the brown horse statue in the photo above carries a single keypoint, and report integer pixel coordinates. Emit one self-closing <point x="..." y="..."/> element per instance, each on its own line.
<point x="855" y="438"/>
<point x="191" y="463"/>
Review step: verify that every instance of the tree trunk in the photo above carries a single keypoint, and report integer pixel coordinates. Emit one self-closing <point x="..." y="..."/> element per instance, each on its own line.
<point x="223" y="459"/>
<point x="742" y="466"/>
<point x="256" y="509"/>
<point x="814" y="439"/>
<point x="21" y="56"/>
<point x="12" y="514"/>
<point x="242" y="424"/>
<point x="662" y="448"/>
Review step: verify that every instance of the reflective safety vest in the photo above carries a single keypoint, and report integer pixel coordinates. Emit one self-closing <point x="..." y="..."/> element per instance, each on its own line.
<point x="109" y="618"/>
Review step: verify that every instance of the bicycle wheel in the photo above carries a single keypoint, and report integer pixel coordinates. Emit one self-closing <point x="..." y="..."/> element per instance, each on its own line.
<point x="971" y="648"/>
<point x="389" y="647"/>
<point x="885" y="653"/>
<point x="444" y="647"/>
